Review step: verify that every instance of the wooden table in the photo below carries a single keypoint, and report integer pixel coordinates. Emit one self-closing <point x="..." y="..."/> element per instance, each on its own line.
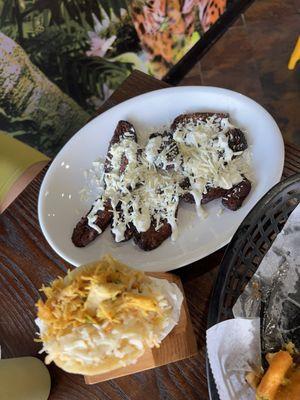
<point x="27" y="261"/>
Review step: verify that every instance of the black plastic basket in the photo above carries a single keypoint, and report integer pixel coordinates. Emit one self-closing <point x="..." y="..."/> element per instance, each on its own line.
<point x="246" y="251"/>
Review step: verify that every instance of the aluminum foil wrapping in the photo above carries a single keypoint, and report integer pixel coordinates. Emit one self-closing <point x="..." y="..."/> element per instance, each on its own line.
<point x="273" y="293"/>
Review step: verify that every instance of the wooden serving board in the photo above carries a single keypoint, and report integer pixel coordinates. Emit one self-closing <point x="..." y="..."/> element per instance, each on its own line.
<point x="179" y="344"/>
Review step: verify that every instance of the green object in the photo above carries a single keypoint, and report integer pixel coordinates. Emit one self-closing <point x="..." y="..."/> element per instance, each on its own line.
<point x="27" y="98"/>
<point x="15" y="159"/>
<point x="24" y="378"/>
<point x="131" y="58"/>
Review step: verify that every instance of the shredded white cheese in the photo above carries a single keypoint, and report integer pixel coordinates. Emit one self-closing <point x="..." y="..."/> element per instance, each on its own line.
<point x="147" y="191"/>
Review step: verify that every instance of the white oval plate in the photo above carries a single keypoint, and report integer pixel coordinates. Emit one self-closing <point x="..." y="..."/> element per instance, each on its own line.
<point x="60" y="206"/>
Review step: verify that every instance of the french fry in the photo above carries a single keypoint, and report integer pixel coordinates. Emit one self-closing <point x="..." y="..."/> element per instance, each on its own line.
<point x="273" y="378"/>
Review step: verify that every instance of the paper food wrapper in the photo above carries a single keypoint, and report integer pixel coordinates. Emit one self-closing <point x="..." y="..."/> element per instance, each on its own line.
<point x="273" y="293"/>
<point x="174" y="297"/>
<point x="233" y="349"/>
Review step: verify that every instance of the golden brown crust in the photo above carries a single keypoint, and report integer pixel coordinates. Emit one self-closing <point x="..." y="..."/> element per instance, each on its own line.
<point x="290" y="391"/>
<point x="280" y="363"/>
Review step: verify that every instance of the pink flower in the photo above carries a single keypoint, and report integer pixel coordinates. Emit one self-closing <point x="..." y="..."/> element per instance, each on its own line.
<point x="188" y="6"/>
<point x="99" y="46"/>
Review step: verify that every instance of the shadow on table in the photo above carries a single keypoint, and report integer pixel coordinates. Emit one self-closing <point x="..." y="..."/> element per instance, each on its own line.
<point x="200" y="267"/>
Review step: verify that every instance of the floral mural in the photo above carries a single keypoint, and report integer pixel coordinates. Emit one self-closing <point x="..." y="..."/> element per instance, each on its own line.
<point x="80" y="51"/>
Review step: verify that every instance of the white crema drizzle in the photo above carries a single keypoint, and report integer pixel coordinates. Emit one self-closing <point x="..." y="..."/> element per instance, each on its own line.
<point x="146" y="192"/>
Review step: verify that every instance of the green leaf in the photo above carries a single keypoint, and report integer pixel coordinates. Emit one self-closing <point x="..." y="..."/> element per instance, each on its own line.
<point x="46" y="17"/>
<point x="7" y="12"/>
<point x="106" y="6"/>
<point x="114" y="5"/>
<point x="88" y="74"/>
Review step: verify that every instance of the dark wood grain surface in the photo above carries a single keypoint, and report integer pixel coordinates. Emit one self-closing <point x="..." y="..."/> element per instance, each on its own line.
<point x="27" y="261"/>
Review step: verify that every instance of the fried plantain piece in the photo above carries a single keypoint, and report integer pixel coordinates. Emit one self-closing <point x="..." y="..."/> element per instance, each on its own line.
<point x="194" y="117"/>
<point x="151" y="239"/>
<point x="236" y="138"/>
<point x="234" y="197"/>
<point x="124" y="130"/>
<point x="84" y="234"/>
<point x="212" y="194"/>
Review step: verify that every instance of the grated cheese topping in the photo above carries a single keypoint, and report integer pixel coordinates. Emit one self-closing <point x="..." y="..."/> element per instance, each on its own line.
<point x="105" y="311"/>
<point x="147" y="188"/>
